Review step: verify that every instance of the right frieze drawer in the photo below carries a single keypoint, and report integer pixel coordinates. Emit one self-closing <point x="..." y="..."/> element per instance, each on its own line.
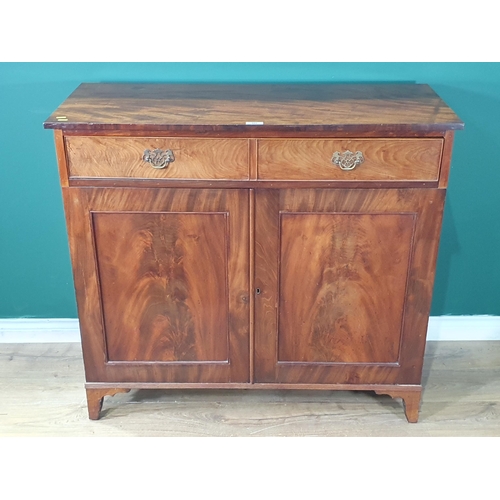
<point x="387" y="160"/>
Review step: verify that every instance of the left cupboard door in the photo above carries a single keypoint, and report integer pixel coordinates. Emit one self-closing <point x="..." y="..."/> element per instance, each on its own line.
<point x="162" y="283"/>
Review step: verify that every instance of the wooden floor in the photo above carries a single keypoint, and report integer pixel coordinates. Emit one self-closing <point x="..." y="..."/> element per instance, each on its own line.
<point x="42" y="394"/>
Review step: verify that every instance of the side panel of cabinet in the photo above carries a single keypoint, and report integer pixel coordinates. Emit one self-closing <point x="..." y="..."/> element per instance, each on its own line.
<point x="346" y="281"/>
<point x="162" y="283"/>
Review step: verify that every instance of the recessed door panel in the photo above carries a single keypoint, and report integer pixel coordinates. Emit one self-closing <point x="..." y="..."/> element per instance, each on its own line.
<point x="342" y="286"/>
<point x="163" y="281"/>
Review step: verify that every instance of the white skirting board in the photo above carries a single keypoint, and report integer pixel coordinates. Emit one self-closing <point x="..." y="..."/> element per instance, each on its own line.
<point x="464" y="328"/>
<point x="27" y="331"/>
<point x="21" y="331"/>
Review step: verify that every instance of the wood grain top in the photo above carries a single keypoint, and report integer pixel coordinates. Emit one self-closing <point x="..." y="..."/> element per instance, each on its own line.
<point x="214" y="108"/>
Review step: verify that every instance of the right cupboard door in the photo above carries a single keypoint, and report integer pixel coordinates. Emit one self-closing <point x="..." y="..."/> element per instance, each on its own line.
<point x="343" y="283"/>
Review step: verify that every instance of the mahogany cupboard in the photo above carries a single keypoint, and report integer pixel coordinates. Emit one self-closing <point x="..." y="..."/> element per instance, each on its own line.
<point x="254" y="236"/>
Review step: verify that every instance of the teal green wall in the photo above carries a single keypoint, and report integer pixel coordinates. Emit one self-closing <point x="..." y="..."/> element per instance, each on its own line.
<point x="35" y="273"/>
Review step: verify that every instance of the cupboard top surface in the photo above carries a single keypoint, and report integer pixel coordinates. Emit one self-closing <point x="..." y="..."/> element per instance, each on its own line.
<point x="215" y="108"/>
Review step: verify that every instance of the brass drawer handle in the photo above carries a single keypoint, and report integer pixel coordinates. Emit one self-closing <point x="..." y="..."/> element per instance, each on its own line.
<point x="348" y="160"/>
<point x="159" y="158"/>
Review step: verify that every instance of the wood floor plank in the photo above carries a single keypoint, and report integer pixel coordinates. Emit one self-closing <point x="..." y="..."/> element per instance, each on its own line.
<point x="42" y="394"/>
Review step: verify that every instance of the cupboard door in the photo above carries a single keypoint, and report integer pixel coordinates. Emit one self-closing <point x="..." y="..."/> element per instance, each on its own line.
<point x="345" y="280"/>
<point x="162" y="283"/>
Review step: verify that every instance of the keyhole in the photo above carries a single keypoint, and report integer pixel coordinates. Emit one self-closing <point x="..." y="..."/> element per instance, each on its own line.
<point x="257" y="291"/>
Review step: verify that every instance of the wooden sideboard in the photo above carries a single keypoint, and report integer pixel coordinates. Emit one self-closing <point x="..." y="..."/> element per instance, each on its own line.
<point x="254" y="236"/>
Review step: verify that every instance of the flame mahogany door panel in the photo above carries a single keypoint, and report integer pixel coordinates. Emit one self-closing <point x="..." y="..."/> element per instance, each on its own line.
<point x="162" y="283"/>
<point x="345" y="279"/>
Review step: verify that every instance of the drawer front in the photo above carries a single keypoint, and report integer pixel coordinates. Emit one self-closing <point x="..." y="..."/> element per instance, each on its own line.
<point x="122" y="157"/>
<point x="382" y="159"/>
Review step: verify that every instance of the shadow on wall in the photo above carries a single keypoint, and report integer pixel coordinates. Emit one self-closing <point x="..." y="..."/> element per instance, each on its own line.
<point x="448" y="248"/>
<point x="468" y="273"/>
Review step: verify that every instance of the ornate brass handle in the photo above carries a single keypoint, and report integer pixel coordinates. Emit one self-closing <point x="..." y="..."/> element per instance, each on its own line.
<point x="348" y="160"/>
<point x="159" y="158"/>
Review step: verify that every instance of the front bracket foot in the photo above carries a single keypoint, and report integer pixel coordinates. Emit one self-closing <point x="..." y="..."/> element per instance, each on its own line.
<point x="95" y="398"/>
<point x="411" y="400"/>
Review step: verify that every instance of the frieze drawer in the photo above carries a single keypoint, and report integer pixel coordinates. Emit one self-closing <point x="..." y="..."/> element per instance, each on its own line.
<point x="156" y="158"/>
<point x="350" y="159"/>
